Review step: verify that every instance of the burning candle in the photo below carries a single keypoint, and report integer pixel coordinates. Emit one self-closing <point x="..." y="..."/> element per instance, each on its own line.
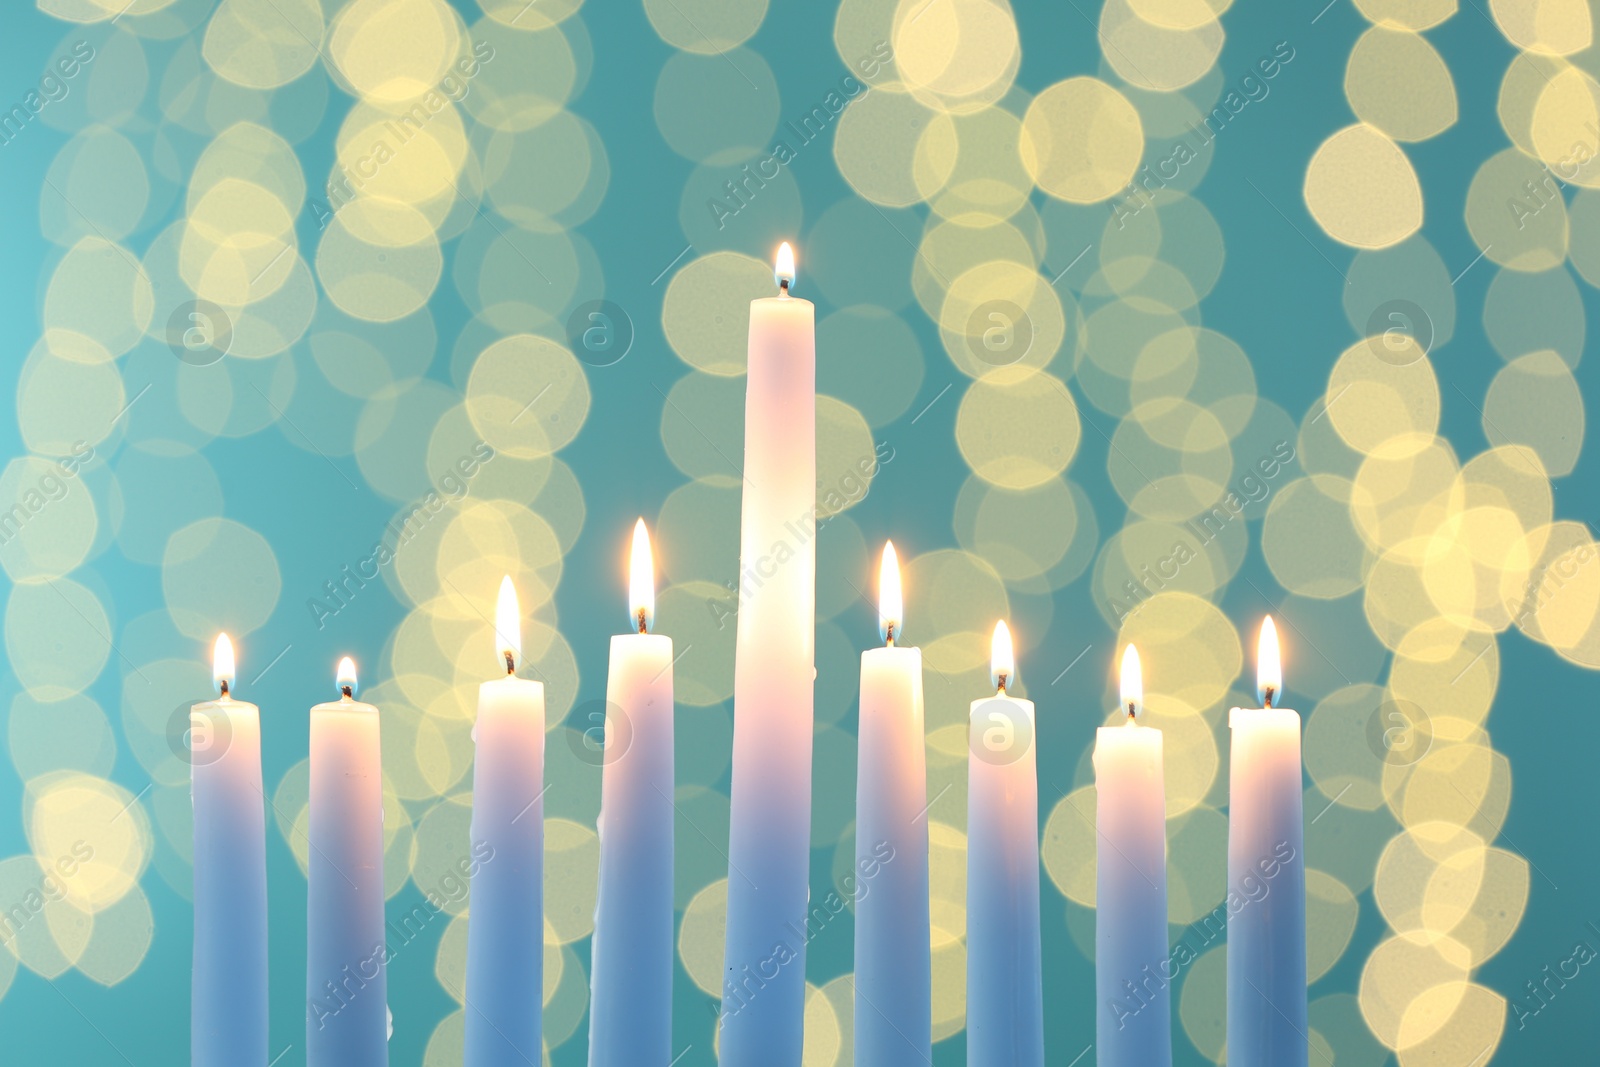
<point x="228" y="1000"/>
<point x="505" y="919"/>
<point x="769" y="837"/>
<point x="347" y="1017"/>
<point x="630" y="1007"/>
<point x="1266" y="872"/>
<point x="893" y="994"/>
<point x="1133" y="1021"/>
<point x="1005" y="999"/>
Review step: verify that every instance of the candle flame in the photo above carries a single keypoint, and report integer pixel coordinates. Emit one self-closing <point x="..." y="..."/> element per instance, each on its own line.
<point x="641" y="580"/>
<point x="222" y="668"/>
<point x="1132" y="683"/>
<point x="347" y="676"/>
<point x="891" y="604"/>
<point x="508" y="626"/>
<point x="1269" y="668"/>
<point x="1002" y="659"/>
<point x="783" y="270"/>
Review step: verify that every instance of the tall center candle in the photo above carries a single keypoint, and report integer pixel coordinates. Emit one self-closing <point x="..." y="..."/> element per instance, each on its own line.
<point x="505" y="917"/>
<point x="1133" y="1011"/>
<point x="1005" y="997"/>
<point x="228" y="1001"/>
<point x="630" y="999"/>
<point x="893" y="1003"/>
<point x="347" y="1017"/>
<point x="1267" y="1012"/>
<point x="769" y="836"/>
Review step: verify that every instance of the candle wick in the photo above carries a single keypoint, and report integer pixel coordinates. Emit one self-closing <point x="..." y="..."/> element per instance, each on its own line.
<point x="1132" y="711"/>
<point x="783" y="287"/>
<point x="1267" y="696"/>
<point x="643" y="628"/>
<point x="888" y="635"/>
<point x="511" y="663"/>
<point x="347" y="691"/>
<point x="1000" y="685"/>
<point x="223" y="685"/>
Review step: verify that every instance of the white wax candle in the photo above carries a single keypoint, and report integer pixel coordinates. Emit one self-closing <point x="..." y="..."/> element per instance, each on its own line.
<point x="505" y="918"/>
<point x="630" y="999"/>
<point x="228" y="1001"/>
<point x="347" y="1023"/>
<point x="1133" y="1016"/>
<point x="1005" y="999"/>
<point x="1267" y="1013"/>
<point x="893" y="994"/>
<point x="769" y="839"/>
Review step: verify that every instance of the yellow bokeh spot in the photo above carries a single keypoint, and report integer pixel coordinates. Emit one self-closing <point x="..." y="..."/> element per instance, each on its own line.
<point x="1001" y="314"/>
<point x="216" y="572"/>
<point x="706" y="311"/>
<point x="1082" y="140"/>
<point x="1017" y="428"/>
<point x="958" y="54"/>
<point x="1416" y="15"/>
<point x="1378" y="397"/>
<point x="1565" y="127"/>
<point x="262" y="44"/>
<point x="101" y="292"/>
<point x="713" y="27"/>
<point x="1548" y="27"/>
<point x="90" y="834"/>
<point x="1152" y="56"/>
<point x="1516" y="213"/>
<point x="58" y="638"/>
<point x="893" y="149"/>
<point x="527" y="395"/>
<point x="1180" y="14"/>
<point x="1362" y="190"/>
<point x="379" y="280"/>
<point x="701" y="933"/>
<point x="1190" y="650"/>
<point x="1398" y="83"/>
<point x="394" y="50"/>
<point x="1067" y="848"/>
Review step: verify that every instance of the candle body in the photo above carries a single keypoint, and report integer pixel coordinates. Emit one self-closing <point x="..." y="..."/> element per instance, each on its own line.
<point x="505" y="918"/>
<point x="228" y="1003"/>
<point x="1267" y="1024"/>
<point x="347" y="1014"/>
<point x="630" y="1008"/>
<point x="1005" y="999"/>
<point x="893" y="995"/>
<point x="1133" y="974"/>
<point x="769" y="839"/>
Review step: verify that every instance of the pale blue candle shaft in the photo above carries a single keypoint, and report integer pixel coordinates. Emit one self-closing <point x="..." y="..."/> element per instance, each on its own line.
<point x="1267" y="1012"/>
<point x="1132" y="964"/>
<point x="1005" y="995"/>
<point x="774" y="674"/>
<point x="228" y="1004"/>
<point x="630" y="1004"/>
<point x="505" y="917"/>
<point x="346" y="1012"/>
<point x="893" y="991"/>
